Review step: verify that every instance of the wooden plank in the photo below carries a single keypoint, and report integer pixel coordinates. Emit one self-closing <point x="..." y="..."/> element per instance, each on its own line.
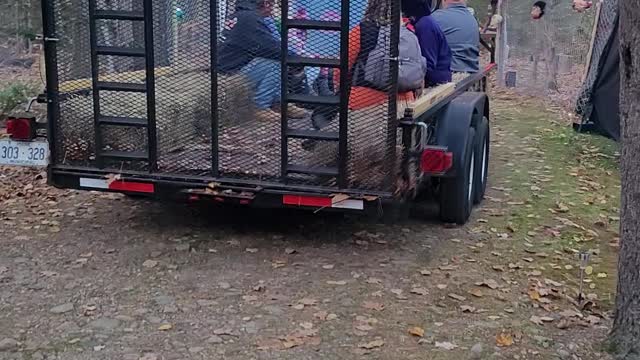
<point x="594" y="31"/>
<point x="428" y="99"/>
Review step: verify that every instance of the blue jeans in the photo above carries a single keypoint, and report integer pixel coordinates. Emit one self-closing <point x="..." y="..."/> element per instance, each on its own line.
<point x="264" y="75"/>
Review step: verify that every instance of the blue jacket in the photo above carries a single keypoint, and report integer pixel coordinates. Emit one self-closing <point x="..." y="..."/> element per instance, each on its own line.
<point x="250" y="38"/>
<point x="434" y="48"/>
<point x="463" y="35"/>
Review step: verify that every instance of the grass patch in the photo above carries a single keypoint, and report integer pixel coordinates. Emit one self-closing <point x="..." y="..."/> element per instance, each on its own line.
<point x="559" y="192"/>
<point x="15" y="94"/>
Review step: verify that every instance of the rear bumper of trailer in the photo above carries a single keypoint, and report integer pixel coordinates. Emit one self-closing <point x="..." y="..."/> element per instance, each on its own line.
<point x="249" y="193"/>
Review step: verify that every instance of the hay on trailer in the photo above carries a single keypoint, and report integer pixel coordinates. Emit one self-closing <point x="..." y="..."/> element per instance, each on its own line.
<point x="183" y="114"/>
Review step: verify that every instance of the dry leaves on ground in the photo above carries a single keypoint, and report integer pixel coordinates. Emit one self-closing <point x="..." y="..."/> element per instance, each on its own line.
<point x="373" y="306"/>
<point x="504" y="340"/>
<point x="372" y="344"/>
<point x="446" y="345"/>
<point x="416" y="331"/>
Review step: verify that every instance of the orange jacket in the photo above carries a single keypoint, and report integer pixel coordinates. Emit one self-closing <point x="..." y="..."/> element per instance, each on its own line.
<point x="362" y="97"/>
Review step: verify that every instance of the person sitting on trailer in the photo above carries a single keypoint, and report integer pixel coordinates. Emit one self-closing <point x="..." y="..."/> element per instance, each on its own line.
<point x="461" y="29"/>
<point x="250" y="48"/>
<point x="433" y="43"/>
<point x="364" y="41"/>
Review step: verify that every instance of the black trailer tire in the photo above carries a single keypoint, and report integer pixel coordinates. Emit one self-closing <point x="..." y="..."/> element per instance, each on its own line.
<point x="456" y="194"/>
<point x="482" y="149"/>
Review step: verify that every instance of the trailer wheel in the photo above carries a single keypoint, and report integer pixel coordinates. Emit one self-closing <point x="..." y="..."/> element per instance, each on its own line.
<point x="483" y="142"/>
<point x="456" y="194"/>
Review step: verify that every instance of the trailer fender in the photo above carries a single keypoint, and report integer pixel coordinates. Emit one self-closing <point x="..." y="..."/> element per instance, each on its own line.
<point x="452" y="126"/>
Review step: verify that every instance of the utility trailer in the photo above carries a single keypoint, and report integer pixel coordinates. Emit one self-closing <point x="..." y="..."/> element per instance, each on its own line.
<point x="136" y="105"/>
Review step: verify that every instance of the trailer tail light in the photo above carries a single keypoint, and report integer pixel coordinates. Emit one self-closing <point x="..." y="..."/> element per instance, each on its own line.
<point x="117" y="185"/>
<point x="436" y="160"/>
<point x="21" y="128"/>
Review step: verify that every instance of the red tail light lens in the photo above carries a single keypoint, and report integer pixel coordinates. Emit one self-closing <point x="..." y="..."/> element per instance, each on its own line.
<point x="436" y="160"/>
<point x="21" y="128"/>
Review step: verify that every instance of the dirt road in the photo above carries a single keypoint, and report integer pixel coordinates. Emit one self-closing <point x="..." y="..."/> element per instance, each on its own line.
<point x="98" y="276"/>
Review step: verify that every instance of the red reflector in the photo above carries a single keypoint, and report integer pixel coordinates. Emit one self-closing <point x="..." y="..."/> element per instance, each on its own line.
<point x="21" y="129"/>
<point x="315" y="201"/>
<point x="436" y="161"/>
<point x="131" y="186"/>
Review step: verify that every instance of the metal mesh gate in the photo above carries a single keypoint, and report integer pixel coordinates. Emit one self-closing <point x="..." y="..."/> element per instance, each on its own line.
<point x="547" y="56"/>
<point x="154" y="93"/>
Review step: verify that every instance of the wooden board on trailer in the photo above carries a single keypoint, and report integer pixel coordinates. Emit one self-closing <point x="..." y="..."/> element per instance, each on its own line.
<point x="429" y="97"/>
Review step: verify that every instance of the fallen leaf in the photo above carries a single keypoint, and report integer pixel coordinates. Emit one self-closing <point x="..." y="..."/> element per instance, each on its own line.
<point x="340" y="282"/>
<point x="364" y="327"/>
<point x="416" y="331"/>
<point x="251" y="250"/>
<point x="446" y="345"/>
<point x="425" y="272"/>
<point x="373" y="306"/>
<point x="165" y="327"/>
<point x="321" y="315"/>
<point x="308" y="301"/>
<point x="457" y="297"/>
<point x="568" y="267"/>
<point x="331" y="317"/>
<point x="278" y="264"/>
<point x="601" y="275"/>
<point x="490" y="283"/>
<point x="441" y="286"/>
<point x="534" y="295"/>
<point x="290" y="251"/>
<point x="269" y="344"/>
<point x="373" y="280"/>
<point x="498" y="268"/>
<point x="448" y="267"/>
<point x="306" y="325"/>
<point x="476" y="292"/>
<point x="536" y="320"/>
<point x="588" y="270"/>
<point x="552" y="283"/>
<point x="327" y="267"/>
<point x="504" y="340"/>
<point x="372" y="344"/>
<point x="528" y="259"/>
<point x="561" y="208"/>
<point x="467" y="308"/>
<point x="150" y="264"/>
<point x="419" y="291"/>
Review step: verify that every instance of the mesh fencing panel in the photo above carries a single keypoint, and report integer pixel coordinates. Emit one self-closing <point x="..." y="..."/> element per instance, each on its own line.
<point x="547" y="57"/>
<point x="237" y="132"/>
<point x="606" y="25"/>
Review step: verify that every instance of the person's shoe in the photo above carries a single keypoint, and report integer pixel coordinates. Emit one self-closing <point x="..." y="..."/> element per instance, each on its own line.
<point x="295" y="112"/>
<point x="267" y="115"/>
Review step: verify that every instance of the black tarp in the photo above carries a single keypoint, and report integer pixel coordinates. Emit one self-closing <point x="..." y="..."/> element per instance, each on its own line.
<point x="606" y="93"/>
<point x="601" y="110"/>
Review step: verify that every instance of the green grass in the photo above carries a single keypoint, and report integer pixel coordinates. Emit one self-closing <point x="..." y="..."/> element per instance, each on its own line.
<point x="550" y="173"/>
<point x="15" y="94"/>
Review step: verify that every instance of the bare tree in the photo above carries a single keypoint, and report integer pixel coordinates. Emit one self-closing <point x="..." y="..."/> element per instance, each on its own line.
<point x="625" y="335"/>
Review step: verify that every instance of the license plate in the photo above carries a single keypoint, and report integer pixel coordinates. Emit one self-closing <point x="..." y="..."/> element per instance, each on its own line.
<point x="24" y="153"/>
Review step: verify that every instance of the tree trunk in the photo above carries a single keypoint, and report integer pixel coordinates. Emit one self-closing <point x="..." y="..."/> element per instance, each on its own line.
<point x="625" y="335"/>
